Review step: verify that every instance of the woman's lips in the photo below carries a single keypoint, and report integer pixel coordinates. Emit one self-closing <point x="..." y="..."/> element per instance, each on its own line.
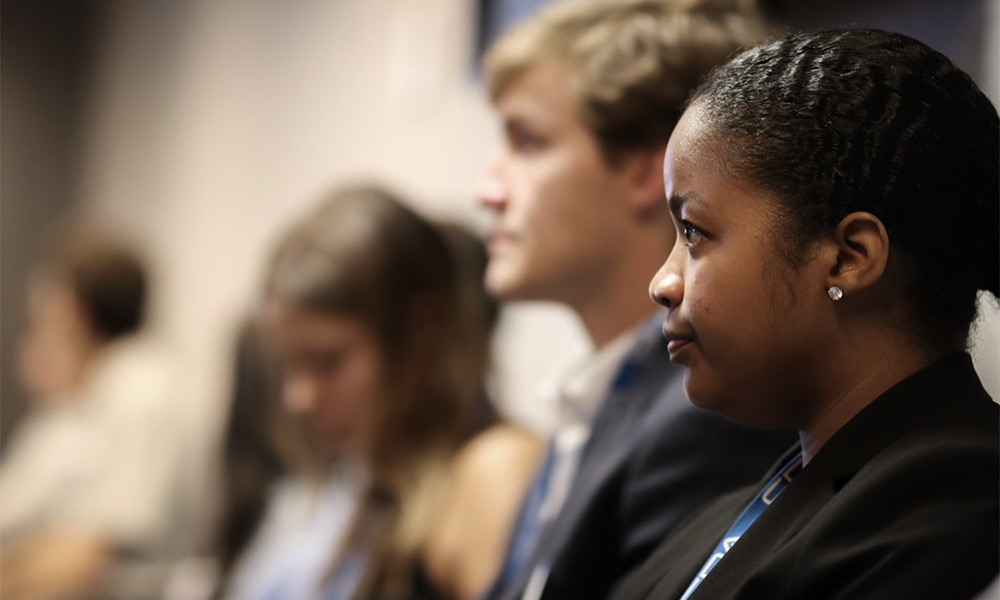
<point x="675" y="347"/>
<point x="676" y="342"/>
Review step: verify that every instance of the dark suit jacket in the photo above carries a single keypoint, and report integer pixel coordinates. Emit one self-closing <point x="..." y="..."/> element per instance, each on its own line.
<point x="652" y="459"/>
<point x="900" y="503"/>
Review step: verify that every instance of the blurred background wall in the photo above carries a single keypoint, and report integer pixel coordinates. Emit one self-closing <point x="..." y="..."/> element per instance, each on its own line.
<point x="46" y="55"/>
<point x="200" y="127"/>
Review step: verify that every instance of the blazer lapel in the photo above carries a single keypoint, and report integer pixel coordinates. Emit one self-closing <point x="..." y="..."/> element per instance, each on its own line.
<point x="908" y="406"/>
<point x="612" y="438"/>
<point x="786" y="516"/>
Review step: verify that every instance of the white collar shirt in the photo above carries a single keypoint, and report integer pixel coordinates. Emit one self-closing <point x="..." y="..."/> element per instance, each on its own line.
<point x="577" y="397"/>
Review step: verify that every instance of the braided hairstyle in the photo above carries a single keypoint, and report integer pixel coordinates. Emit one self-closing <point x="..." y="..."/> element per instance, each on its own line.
<point x="864" y="120"/>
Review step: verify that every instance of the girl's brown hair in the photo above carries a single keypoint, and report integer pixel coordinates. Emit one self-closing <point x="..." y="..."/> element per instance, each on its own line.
<point x="363" y="253"/>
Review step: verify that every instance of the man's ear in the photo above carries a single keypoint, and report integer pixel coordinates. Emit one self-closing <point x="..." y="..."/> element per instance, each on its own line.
<point x="643" y="170"/>
<point x="862" y="252"/>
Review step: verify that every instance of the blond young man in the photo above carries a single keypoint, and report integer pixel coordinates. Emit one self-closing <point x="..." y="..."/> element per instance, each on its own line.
<point x="588" y="93"/>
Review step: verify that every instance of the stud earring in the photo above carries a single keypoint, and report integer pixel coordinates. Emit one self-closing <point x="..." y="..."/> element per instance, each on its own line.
<point x="835" y="293"/>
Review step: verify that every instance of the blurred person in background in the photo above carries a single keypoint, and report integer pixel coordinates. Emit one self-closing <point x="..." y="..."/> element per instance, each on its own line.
<point x="250" y="461"/>
<point x="589" y="93"/>
<point x="491" y="473"/>
<point x="89" y="502"/>
<point x="382" y="348"/>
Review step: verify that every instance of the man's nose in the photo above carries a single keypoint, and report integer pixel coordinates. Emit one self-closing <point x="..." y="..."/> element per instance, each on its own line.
<point x="491" y="192"/>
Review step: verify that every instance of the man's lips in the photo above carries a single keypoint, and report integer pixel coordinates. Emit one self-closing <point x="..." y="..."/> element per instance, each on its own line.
<point x="498" y="239"/>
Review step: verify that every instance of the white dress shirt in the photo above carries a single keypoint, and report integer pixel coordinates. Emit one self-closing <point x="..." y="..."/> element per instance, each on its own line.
<point x="576" y="397"/>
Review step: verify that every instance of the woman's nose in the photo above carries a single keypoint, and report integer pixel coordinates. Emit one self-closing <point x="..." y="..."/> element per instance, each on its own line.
<point x="667" y="286"/>
<point x="298" y="395"/>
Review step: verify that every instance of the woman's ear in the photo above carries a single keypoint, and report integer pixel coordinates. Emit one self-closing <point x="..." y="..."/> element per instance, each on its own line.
<point x="862" y="252"/>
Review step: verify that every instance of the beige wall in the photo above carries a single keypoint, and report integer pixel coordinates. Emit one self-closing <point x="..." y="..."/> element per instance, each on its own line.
<point x="212" y="123"/>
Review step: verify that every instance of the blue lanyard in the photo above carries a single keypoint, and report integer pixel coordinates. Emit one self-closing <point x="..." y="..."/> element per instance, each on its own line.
<point x="746" y="519"/>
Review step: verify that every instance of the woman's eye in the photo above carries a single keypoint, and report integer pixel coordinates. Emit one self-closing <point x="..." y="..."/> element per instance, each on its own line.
<point x="691" y="233"/>
<point x="327" y="364"/>
<point x="526" y="142"/>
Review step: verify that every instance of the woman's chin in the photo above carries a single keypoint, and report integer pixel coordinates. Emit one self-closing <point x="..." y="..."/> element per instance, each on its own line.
<point x="733" y="408"/>
<point x="699" y="394"/>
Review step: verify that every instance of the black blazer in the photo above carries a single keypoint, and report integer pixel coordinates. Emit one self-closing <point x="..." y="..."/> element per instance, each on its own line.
<point x="900" y="503"/>
<point x="651" y="460"/>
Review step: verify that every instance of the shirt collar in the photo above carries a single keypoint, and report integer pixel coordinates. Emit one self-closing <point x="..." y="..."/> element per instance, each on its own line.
<point x="576" y="395"/>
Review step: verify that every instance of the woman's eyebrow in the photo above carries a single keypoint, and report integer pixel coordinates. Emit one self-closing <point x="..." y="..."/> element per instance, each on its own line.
<point x="677" y="200"/>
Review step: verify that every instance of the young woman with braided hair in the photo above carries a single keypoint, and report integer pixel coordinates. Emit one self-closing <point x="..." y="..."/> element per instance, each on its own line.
<point x="836" y="202"/>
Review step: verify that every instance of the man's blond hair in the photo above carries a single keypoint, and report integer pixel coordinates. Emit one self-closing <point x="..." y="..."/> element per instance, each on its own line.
<point x="632" y="63"/>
